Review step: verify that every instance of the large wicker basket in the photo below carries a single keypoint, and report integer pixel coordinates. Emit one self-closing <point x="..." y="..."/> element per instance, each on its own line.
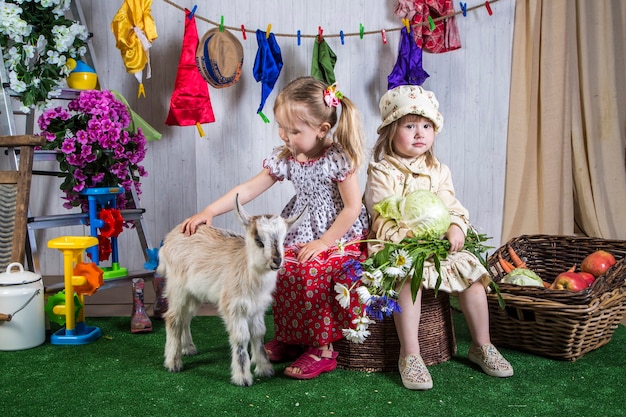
<point x="556" y="323"/>
<point x="380" y="351"/>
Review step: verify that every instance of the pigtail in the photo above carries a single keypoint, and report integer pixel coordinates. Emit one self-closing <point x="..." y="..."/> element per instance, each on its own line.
<point x="349" y="133"/>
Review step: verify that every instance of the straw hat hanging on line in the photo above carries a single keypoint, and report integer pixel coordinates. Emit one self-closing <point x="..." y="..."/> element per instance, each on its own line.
<point x="219" y="58"/>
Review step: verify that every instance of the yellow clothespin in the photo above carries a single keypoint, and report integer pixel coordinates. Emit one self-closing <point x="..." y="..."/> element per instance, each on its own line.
<point x="141" y="91"/>
<point x="267" y="32"/>
<point x="200" y="131"/>
<point x="407" y="25"/>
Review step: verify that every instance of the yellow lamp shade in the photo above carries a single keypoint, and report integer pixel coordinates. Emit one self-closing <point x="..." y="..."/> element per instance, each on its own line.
<point x="82" y="80"/>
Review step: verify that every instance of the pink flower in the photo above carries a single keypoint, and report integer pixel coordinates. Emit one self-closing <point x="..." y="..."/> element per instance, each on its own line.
<point x="97" y="150"/>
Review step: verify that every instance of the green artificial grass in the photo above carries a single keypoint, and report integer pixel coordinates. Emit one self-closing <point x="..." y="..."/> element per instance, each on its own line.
<point x="121" y="374"/>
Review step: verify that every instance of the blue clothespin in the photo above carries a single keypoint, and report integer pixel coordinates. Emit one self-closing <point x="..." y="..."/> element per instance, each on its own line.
<point x="463" y="8"/>
<point x="341" y="35"/>
<point x="298" y="37"/>
<point x="193" y="11"/>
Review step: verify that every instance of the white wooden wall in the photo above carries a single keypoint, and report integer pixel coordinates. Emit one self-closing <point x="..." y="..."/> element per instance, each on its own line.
<point x="186" y="172"/>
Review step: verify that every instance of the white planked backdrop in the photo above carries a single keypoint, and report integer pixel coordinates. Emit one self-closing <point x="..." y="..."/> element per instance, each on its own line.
<point x="186" y="172"/>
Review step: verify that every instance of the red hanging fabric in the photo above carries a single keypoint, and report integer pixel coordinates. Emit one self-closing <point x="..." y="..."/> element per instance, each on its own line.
<point x="444" y="37"/>
<point x="190" y="103"/>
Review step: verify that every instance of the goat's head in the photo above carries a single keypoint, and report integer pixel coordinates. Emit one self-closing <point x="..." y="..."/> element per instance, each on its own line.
<point x="266" y="234"/>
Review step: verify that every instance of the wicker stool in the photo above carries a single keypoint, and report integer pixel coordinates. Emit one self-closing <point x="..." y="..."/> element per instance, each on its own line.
<point x="381" y="349"/>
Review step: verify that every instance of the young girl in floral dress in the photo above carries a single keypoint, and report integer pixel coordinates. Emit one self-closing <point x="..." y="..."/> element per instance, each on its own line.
<point x="322" y="167"/>
<point x="404" y="162"/>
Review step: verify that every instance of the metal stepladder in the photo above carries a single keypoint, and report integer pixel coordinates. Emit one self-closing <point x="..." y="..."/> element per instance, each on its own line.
<point x="8" y="127"/>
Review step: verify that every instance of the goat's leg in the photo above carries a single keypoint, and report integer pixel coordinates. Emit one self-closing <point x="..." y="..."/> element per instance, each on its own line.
<point x="173" y="331"/>
<point x="239" y="338"/>
<point x="263" y="366"/>
<point x="188" y="313"/>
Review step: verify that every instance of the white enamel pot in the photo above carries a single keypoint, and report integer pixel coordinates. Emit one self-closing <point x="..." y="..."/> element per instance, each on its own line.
<point x="22" y="315"/>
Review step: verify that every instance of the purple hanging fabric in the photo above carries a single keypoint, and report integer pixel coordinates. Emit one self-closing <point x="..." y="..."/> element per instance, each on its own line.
<point x="408" y="69"/>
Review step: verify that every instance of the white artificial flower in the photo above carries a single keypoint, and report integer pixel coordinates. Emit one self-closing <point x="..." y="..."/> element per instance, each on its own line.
<point x="355" y="336"/>
<point x="343" y="295"/>
<point x="364" y="295"/>
<point x="362" y="322"/>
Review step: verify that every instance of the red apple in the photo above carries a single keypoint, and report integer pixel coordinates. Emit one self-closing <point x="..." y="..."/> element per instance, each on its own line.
<point x="598" y="263"/>
<point x="570" y="281"/>
<point x="589" y="278"/>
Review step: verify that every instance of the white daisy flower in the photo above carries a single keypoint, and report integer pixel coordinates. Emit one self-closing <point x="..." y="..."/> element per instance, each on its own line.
<point x="343" y="295"/>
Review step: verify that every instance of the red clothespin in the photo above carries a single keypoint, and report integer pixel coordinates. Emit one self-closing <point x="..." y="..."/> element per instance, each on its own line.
<point x="319" y="34"/>
<point x="488" y="6"/>
<point x="243" y="32"/>
<point x="384" y="36"/>
<point x="463" y="8"/>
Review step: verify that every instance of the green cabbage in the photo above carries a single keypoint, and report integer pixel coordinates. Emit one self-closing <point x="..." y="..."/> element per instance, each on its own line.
<point x="523" y="276"/>
<point x="421" y="211"/>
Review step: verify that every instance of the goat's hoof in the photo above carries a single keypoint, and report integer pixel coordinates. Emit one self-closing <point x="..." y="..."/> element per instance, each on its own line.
<point x="173" y="366"/>
<point x="264" y="372"/>
<point x="189" y="350"/>
<point x="242" y="382"/>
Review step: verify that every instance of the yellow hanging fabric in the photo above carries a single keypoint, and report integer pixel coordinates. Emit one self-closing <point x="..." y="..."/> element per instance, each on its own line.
<point x="135" y="30"/>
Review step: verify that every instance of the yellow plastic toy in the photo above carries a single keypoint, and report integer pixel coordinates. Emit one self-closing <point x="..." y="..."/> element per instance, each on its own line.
<point x="76" y="332"/>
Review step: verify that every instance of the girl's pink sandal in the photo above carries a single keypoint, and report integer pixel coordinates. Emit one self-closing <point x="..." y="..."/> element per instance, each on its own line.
<point x="278" y="352"/>
<point x="310" y="367"/>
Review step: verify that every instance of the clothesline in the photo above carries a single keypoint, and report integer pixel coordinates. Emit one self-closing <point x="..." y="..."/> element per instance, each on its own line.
<point x="361" y="33"/>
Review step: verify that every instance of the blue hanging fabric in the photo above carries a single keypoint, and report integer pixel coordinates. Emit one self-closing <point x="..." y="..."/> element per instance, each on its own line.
<point x="267" y="64"/>
<point x="408" y="68"/>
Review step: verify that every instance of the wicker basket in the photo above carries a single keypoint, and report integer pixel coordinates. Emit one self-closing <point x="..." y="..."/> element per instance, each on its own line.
<point x="381" y="349"/>
<point x="555" y="323"/>
<point x="549" y="255"/>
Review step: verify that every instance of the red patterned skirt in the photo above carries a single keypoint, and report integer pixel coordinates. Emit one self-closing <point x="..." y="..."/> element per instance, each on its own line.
<point x="305" y="309"/>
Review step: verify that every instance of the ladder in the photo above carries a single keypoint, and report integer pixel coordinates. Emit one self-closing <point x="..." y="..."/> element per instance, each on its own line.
<point x="8" y="127"/>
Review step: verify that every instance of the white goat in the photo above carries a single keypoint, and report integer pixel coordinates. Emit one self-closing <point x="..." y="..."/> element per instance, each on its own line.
<point x="235" y="272"/>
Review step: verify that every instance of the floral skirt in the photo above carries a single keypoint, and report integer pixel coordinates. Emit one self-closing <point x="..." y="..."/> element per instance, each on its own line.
<point x="305" y="309"/>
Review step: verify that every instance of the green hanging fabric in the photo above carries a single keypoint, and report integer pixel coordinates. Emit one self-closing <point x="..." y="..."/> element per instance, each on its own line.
<point x="136" y="121"/>
<point x="323" y="62"/>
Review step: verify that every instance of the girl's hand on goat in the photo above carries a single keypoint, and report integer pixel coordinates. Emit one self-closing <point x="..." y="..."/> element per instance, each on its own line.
<point x="309" y="251"/>
<point x="190" y="224"/>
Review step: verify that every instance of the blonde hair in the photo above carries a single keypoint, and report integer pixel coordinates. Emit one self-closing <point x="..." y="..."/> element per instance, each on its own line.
<point x="384" y="143"/>
<point x="303" y="99"/>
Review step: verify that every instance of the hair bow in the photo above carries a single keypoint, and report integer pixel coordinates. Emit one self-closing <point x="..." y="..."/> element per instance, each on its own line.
<point x="332" y="96"/>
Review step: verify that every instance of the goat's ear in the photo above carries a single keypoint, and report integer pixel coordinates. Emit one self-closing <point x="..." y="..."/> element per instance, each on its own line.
<point x="295" y="219"/>
<point x="243" y="215"/>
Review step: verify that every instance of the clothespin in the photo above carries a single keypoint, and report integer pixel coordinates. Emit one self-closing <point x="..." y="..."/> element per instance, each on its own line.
<point x="264" y="117"/>
<point x="431" y="23"/>
<point x="341" y="36"/>
<point x="200" y="131"/>
<point x="407" y="24"/>
<point x="361" y="30"/>
<point x="193" y="11"/>
<point x="243" y="32"/>
<point x="488" y="6"/>
<point x="267" y="32"/>
<point x="222" y="23"/>
<point x="319" y="34"/>
<point x="384" y="35"/>
<point x="299" y="35"/>
<point x="141" y="91"/>
<point x="463" y="8"/>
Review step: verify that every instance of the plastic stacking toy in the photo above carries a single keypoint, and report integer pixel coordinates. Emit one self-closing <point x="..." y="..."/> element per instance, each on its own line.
<point x="105" y="223"/>
<point x="82" y="77"/>
<point x="76" y="331"/>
